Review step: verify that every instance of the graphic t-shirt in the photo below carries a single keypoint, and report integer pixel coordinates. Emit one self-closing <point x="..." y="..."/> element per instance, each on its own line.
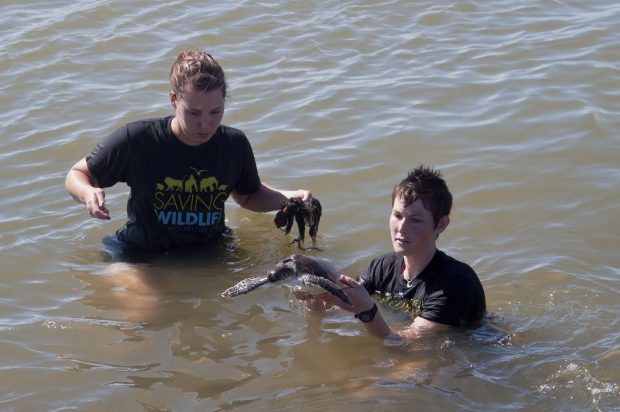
<point x="447" y="291"/>
<point x="177" y="192"/>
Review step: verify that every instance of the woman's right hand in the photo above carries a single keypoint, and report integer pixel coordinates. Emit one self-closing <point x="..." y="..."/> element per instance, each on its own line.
<point x="95" y="204"/>
<point x="83" y="187"/>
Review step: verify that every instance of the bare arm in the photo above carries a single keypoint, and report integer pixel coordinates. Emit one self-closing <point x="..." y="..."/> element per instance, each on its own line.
<point x="267" y="199"/>
<point x="83" y="187"/>
<point x="378" y="326"/>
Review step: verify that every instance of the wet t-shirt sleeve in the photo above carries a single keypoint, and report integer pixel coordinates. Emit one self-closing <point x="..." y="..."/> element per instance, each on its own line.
<point x="452" y="303"/>
<point x="108" y="162"/>
<point x="249" y="180"/>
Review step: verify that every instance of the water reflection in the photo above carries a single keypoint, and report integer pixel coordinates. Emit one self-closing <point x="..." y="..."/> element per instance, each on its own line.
<point x="140" y="293"/>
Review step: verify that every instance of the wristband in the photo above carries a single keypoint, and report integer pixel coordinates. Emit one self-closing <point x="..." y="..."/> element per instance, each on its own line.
<point x="369" y="315"/>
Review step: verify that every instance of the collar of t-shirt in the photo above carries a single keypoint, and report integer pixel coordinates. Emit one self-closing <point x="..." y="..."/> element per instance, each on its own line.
<point x="426" y="274"/>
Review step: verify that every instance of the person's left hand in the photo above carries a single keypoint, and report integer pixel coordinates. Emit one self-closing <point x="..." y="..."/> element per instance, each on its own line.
<point x="302" y="194"/>
<point x="312" y="302"/>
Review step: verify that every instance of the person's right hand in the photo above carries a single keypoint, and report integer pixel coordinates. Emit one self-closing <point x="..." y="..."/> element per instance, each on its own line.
<point x="95" y="204"/>
<point x="360" y="299"/>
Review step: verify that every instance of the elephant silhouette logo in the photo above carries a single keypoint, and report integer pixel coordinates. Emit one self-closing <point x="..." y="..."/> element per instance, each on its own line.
<point x="190" y="184"/>
<point x="208" y="184"/>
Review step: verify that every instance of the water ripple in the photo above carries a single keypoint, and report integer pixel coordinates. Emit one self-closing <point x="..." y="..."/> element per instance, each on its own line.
<point x="518" y="104"/>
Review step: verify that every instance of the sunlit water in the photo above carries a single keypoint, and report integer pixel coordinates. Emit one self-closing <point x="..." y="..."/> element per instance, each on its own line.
<point x="518" y="102"/>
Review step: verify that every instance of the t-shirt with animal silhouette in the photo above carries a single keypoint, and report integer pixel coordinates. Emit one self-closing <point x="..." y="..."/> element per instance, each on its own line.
<point x="177" y="192"/>
<point x="447" y="291"/>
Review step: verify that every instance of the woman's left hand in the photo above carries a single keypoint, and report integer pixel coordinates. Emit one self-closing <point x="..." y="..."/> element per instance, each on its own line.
<point x="302" y="194"/>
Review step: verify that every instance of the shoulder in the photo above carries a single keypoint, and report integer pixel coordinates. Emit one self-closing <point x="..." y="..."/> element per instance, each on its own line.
<point x="137" y="131"/>
<point x="232" y="138"/>
<point x="455" y="296"/>
<point x="231" y="133"/>
<point x="153" y="126"/>
<point x="387" y="260"/>
<point x="449" y="264"/>
<point x="456" y="276"/>
<point x="379" y="269"/>
<point x="236" y="144"/>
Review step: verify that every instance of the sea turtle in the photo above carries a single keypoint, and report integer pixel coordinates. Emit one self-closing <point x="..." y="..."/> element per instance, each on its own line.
<point x="304" y="213"/>
<point x="312" y="273"/>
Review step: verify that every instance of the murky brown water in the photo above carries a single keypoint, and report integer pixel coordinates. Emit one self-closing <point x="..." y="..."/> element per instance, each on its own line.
<point x="518" y="103"/>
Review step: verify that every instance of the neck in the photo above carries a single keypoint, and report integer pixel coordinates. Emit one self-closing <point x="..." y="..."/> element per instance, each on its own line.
<point x="174" y="128"/>
<point x="415" y="264"/>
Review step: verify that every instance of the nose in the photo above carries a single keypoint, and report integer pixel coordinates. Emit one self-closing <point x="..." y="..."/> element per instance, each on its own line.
<point x="401" y="225"/>
<point x="205" y="122"/>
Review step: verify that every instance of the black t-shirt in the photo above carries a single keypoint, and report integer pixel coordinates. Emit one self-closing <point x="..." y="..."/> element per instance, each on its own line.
<point x="447" y="291"/>
<point x="177" y="191"/>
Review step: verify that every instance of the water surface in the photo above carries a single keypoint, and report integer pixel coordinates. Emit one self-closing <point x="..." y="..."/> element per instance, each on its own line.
<point x="517" y="102"/>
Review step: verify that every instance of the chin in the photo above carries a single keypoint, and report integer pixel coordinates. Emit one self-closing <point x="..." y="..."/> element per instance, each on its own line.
<point x="399" y="250"/>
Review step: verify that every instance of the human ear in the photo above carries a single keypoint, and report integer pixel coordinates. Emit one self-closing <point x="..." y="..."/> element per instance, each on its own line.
<point x="173" y="100"/>
<point x="443" y="223"/>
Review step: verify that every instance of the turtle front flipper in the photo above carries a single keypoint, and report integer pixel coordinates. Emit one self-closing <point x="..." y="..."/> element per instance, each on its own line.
<point x="327" y="285"/>
<point x="300" y="219"/>
<point x="245" y="286"/>
<point x="281" y="218"/>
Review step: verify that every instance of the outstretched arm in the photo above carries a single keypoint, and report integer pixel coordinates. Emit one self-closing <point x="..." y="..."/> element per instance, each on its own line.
<point x="267" y="198"/>
<point x="83" y="187"/>
<point x="362" y="302"/>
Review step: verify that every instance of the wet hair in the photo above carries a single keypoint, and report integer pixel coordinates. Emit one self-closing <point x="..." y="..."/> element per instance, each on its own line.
<point x="198" y="71"/>
<point x="427" y="184"/>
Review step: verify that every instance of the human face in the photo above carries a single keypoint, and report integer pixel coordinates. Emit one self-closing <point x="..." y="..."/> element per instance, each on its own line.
<point x="412" y="228"/>
<point x="198" y="115"/>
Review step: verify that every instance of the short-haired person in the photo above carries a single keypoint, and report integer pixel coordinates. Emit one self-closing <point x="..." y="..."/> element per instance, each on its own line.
<point x="180" y="168"/>
<point x="437" y="289"/>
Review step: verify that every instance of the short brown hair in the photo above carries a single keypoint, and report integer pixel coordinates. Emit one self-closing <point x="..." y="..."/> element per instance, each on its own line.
<point x="198" y="70"/>
<point x="427" y="184"/>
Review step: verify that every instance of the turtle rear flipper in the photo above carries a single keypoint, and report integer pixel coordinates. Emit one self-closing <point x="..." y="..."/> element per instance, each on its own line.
<point x="313" y="211"/>
<point x="327" y="285"/>
<point x="245" y="286"/>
